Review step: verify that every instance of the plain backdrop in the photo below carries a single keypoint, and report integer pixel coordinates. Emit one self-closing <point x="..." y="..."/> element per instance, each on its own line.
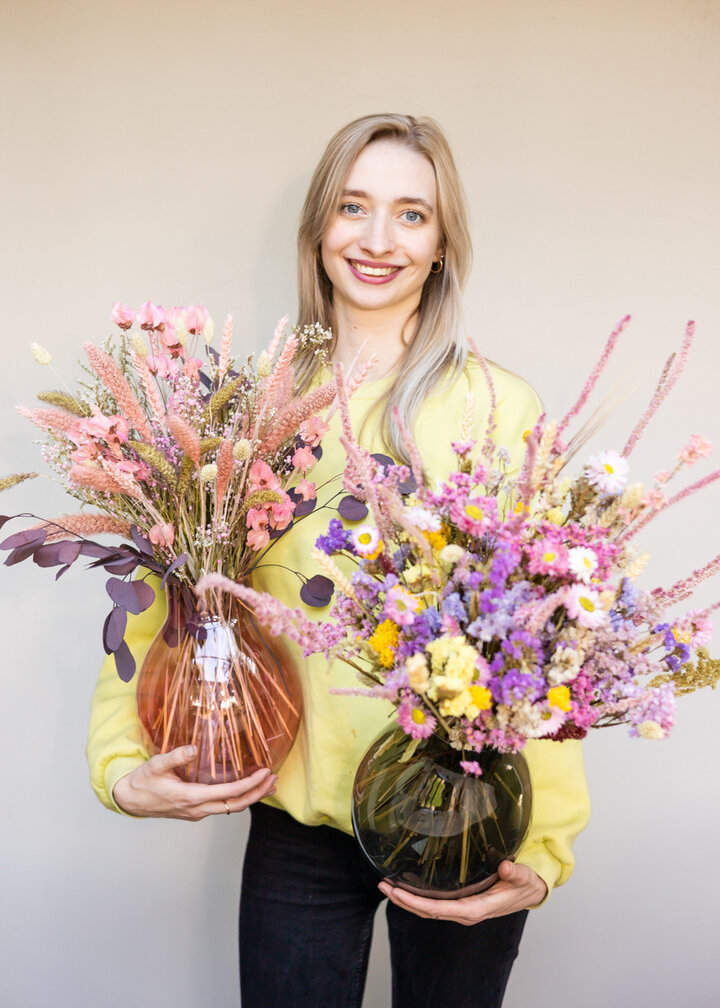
<point x="161" y="150"/>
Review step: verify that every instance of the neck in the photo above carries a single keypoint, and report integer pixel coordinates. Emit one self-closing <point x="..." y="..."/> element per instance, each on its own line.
<point x="362" y="335"/>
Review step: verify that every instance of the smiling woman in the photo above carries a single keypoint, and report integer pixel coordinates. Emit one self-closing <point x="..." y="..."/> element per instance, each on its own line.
<point x="379" y="249"/>
<point x="384" y="253"/>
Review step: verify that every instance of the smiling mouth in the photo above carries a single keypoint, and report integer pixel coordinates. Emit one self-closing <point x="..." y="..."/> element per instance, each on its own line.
<point x="373" y="271"/>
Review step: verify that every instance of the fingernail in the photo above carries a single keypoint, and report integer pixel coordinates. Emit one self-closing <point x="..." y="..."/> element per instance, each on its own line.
<point x="266" y="771"/>
<point x="189" y="751"/>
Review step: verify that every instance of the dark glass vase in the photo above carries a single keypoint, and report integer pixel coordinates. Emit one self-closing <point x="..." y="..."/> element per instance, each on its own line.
<point x="212" y="678"/>
<point x="432" y="829"/>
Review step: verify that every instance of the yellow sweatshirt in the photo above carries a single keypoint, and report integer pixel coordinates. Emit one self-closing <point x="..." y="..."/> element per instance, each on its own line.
<point x="315" y="781"/>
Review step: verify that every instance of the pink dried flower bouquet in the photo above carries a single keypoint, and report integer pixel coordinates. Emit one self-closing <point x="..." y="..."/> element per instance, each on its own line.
<point x="198" y="466"/>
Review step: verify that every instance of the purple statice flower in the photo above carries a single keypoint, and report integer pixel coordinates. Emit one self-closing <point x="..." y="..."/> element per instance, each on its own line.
<point x="656" y="705"/>
<point x="515" y="685"/>
<point x="497" y="611"/>
<point x="677" y="652"/>
<point x="337" y="539"/>
<point x="452" y="607"/>
<point x="367" y="588"/>
<point x="401" y="556"/>
<point x="474" y="579"/>
<point x="425" y="628"/>
<point x="505" y="560"/>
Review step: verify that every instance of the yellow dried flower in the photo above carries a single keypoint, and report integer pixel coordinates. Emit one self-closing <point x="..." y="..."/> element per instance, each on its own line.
<point x="650" y="730"/>
<point x="559" y="696"/>
<point x="264" y="365"/>
<point x="138" y="344"/>
<point x="209" y="331"/>
<point x="481" y="697"/>
<point x="41" y="355"/>
<point x="384" y="641"/>
<point x="11" y="481"/>
<point x="436" y="539"/>
<point x="208" y="473"/>
<point x="417" y="673"/>
<point x="242" y="449"/>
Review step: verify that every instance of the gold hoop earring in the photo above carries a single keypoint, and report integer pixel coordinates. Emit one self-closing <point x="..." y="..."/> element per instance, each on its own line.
<point x="440" y="263"/>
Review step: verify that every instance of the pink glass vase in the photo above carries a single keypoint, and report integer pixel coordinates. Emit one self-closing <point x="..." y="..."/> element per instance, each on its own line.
<point x="211" y="678"/>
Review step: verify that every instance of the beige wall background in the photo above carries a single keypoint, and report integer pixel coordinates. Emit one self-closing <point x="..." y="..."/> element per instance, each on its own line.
<point x="161" y="150"/>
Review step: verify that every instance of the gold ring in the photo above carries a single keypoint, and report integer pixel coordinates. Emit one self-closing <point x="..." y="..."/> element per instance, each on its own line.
<point x="227" y="808"/>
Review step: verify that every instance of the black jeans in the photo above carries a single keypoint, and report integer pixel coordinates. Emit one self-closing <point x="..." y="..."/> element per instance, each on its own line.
<point x="306" y="918"/>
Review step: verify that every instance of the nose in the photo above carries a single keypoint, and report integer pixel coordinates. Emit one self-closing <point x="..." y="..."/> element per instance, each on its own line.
<point x="377" y="238"/>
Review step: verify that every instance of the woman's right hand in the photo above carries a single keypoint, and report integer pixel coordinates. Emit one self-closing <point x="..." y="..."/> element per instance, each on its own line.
<point x="154" y="789"/>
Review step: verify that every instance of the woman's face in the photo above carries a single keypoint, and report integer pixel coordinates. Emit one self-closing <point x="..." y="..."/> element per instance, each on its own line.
<point x="385" y="234"/>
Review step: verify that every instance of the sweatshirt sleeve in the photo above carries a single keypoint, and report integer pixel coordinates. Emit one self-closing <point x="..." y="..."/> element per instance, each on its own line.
<point x="115" y="744"/>
<point x="560" y="808"/>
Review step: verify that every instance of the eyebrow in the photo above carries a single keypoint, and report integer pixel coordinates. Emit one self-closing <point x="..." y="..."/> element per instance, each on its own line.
<point x="361" y="194"/>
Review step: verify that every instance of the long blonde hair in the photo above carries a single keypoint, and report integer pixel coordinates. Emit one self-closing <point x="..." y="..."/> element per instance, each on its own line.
<point x="439" y="346"/>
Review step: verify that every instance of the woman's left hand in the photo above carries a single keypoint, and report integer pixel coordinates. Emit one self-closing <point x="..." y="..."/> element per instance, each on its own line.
<point x="518" y="888"/>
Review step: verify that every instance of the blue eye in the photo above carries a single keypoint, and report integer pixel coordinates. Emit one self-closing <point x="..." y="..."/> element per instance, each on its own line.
<point x="351" y="209"/>
<point x="414" y="216"/>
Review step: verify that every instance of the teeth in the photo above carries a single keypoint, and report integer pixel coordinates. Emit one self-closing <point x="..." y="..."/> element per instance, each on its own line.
<point x="373" y="270"/>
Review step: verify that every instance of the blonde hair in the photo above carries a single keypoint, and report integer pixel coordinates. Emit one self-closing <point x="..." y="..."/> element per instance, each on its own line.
<point x="439" y="346"/>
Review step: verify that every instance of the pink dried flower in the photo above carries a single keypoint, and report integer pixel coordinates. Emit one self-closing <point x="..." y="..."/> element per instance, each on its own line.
<point x="670" y="374"/>
<point x="303" y="459"/>
<point x="195" y="318"/>
<point x="103" y="482"/>
<point x="488" y="442"/>
<point x="121" y="315"/>
<point x="258" y="539"/>
<point x="138" y="470"/>
<point x="83" y="525"/>
<point x="49" y="419"/>
<point x="109" y="372"/>
<point x="290" y="418"/>
<point x="162" y="534"/>
<point x="225" y="346"/>
<point x="280" y="372"/>
<point x="313" y="430"/>
<point x="696" y="448"/>
<point x="306" y="490"/>
<point x="401" y="606"/>
<point x="471" y="767"/>
<point x="186" y="436"/>
<point x="159" y="364"/>
<point x="225" y="461"/>
<point x="548" y="557"/>
<point x="112" y="429"/>
<point x="277" y="337"/>
<point x="262" y="477"/>
<point x="192" y="366"/>
<point x="415" y="721"/>
<point x="151" y="316"/>
<point x="356" y="380"/>
<point x="281" y="513"/>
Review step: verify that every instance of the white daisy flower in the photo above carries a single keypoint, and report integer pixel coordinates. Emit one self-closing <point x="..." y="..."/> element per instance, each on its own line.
<point x="583" y="562"/>
<point x="366" y="540"/>
<point x="607" y="472"/>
